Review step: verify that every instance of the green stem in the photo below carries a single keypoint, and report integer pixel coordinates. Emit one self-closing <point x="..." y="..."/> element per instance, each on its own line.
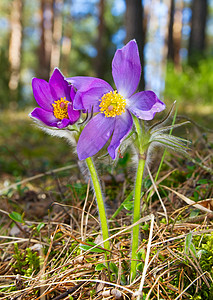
<point x="136" y="217"/>
<point x="137" y="201"/>
<point x="100" y="202"/>
<point x="139" y="133"/>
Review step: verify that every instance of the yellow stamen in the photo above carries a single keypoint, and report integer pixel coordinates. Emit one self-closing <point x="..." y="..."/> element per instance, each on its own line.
<point x="112" y="104"/>
<point x="60" y="108"/>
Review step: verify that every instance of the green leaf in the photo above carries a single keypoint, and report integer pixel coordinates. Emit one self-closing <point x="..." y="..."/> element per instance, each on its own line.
<point x="194" y="213"/>
<point x="40" y="226"/>
<point x="128" y="206"/>
<point x="113" y="268"/>
<point x="202" y="181"/>
<point x="100" y="267"/>
<point x="147" y="183"/>
<point x="141" y="254"/>
<point x="87" y="247"/>
<point x="145" y="226"/>
<point x="193" y="249"/>
<point x="188" y="242"/>
<point x="140" y="267"/>
<point x="17" y="217"/>
<point x="191" y="168"/>
<point x="201" y="252"/>
<point x="196" y="196"/>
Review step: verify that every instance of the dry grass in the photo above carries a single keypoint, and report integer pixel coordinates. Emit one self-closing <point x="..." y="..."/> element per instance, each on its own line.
<point x="167" y="270"/>
<point x="67" y="273"/>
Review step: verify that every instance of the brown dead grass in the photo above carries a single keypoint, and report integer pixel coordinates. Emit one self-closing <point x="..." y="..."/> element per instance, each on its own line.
<point x="67" y="272"/>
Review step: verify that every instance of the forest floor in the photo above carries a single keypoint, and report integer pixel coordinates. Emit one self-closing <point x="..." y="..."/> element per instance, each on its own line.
<point x="49" y="221"/>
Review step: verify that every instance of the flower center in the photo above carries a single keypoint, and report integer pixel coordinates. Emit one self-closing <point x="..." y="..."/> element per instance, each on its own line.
<point x="60" y="108"/>
<point x="112" y="104"/>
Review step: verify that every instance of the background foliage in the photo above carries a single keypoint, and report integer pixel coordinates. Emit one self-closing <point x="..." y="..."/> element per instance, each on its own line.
<point x="81" y="37"/>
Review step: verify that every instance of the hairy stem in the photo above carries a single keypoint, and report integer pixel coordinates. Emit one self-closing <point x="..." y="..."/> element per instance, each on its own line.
<point x="100" y="201"/>
<point x="136" y="217"/>
<point x="137" y="201"/>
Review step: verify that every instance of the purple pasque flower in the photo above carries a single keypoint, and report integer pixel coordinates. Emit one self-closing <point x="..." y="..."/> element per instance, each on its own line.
<point x="55" y="100"/>
<point x="114" y="107"/>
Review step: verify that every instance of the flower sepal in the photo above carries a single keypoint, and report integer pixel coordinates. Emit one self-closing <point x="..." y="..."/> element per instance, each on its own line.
<point x="70" y="133"/>
<point x="157" y="135"/>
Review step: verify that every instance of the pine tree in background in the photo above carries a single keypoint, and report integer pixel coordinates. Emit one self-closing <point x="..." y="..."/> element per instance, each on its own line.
<point x="57" y="35"/>
<point x="198" y="30"/>
<point x="101" y="41"/>
<point x="135" y="30"/>
<point x="175" y="33"/>
<point x="15" y="45"/>
<point x="45" y="47"/>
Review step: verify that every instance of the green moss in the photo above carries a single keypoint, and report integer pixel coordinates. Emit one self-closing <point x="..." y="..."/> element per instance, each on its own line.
<point x="27" y="262"/>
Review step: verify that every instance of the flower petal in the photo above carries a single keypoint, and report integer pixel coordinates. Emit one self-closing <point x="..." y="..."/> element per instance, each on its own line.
<point x="84" y="83"/>
<point x="89" y="92"/>
<point x="95" y="135"/>
<point x="42" y="93"/>
<point x="63" y="123"/>
<point x="123" y="125"/>
<point x="49" y="119"/>
<point x="59" y="86"/>
<point x="72" y="93"/>
<point x="144" y="105"/>
<point x="74" y="115"/>
<point x="44" y="116"/>
<point x="126" y="69"/>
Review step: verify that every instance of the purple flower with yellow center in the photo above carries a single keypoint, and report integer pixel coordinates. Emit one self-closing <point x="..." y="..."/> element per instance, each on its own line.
<point x="55" y="101"/>
<point x="114" y="107"/>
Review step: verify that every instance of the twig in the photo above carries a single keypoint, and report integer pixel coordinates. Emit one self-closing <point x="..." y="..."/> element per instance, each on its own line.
<point x="189" y="201"/>
<point x="204" y="167"/>
<point x="139" y="292"/>
<point x="83" y="211"/>
<point x="197" y="219"/>
<point x="14" y="185"/>
<point x="156" y="281"/>
<point x="189" y="285"/>
<point x="194" y="123"/>
<point x="69" y="291"/>
<point x="156" y="190"/>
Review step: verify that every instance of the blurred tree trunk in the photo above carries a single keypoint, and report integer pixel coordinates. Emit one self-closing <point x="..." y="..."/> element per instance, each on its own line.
<point x="198" y="26"/>
<point x="175" y="29"/>
<point x="66" y="42"/>
<point x="171" y="37"/>
<point x="66" y="46"/>
<point x="101" y="44"/>
<point x="15" y="43"/>
<point x="65" y="52"/>
<point x="46" y="38"/>
<point x="134" y="21"/>
<point x="57" y="34"/>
